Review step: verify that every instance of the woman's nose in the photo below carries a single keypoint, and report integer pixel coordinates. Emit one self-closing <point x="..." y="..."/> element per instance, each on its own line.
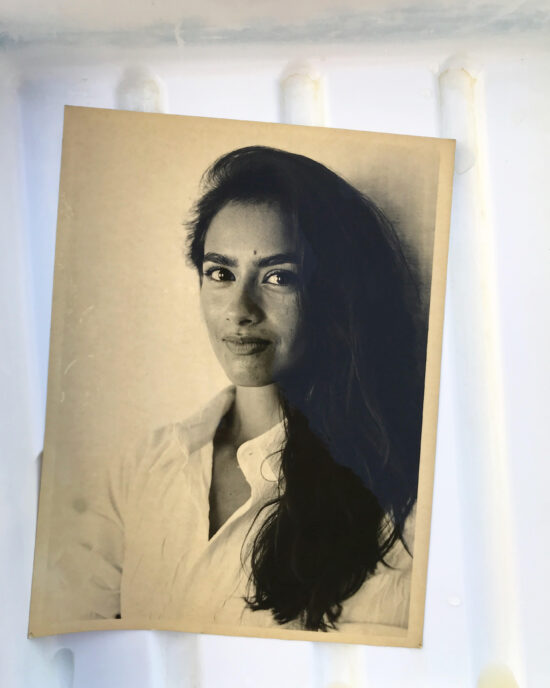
<point x="244" y="308"/>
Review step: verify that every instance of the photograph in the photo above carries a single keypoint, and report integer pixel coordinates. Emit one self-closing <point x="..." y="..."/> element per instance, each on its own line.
<point x="243" y="381"/>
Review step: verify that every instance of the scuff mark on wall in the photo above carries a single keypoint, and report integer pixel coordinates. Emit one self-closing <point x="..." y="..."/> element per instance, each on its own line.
<point x="210" y="23"/>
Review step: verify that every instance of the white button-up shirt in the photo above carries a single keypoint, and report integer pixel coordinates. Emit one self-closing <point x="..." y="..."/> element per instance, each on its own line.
<point x="143" y="549"/>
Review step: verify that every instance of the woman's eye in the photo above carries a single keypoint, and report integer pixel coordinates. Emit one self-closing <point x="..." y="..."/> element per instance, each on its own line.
<point x="281" y="278"/>
<point x="218" y="274"/>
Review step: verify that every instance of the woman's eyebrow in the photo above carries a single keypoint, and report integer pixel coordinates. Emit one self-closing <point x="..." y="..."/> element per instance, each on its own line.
<point x="275" y="259"/>
<point x="278" y="259"/>
<point x="220" y="259"/>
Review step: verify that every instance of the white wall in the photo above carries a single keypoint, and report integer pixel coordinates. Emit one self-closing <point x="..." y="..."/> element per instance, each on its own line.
<point x="487" y="597"/>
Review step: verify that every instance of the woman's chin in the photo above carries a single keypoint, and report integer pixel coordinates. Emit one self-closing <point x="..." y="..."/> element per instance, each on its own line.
<point x="256" y="376"/>
<point x="249" y="381"/>
<point x="247" y="377"/>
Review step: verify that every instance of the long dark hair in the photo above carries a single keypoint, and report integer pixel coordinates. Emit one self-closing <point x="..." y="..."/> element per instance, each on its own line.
<point x="352" y="408"/>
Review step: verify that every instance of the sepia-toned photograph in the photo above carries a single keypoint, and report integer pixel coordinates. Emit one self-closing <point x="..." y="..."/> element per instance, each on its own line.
<point x="243" y="381"/>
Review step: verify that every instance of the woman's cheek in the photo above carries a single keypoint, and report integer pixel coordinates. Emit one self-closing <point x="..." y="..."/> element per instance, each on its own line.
<point x="213" y="309"/>
<point x="290" y="321"/>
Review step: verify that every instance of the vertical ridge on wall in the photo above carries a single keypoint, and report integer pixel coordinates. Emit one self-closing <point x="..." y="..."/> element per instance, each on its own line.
<point x="485" y="495"/>
<point x="19" y="419"/>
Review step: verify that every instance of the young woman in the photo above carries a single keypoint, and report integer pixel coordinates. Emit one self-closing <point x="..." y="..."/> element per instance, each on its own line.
<point x="309" y="307"/>
<point x="289" y="500"/>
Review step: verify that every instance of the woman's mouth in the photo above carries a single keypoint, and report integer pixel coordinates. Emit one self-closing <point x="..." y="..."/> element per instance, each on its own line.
<point x="245" y="346"/>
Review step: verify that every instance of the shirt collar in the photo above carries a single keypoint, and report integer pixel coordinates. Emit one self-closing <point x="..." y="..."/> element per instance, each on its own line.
<point x="199" y="429"/>
<point x="259" y="458"/>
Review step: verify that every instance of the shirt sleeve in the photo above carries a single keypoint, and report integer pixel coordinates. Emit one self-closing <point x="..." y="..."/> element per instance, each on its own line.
<point x="86" y="568"/>
<point x="384" y="598"/>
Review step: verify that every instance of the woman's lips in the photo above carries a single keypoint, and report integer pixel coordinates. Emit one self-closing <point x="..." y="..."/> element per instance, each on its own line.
<point x="246" y="346"/>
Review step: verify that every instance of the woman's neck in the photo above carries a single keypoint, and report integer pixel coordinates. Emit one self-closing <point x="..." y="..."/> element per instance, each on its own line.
<point x="256" y="410"/>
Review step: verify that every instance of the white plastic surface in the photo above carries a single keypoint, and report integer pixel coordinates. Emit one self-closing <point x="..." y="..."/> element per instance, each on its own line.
<point x="499" y="275"/>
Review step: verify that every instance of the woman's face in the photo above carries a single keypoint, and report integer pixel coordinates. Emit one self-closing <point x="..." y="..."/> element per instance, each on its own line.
<point x="250" y="293"/>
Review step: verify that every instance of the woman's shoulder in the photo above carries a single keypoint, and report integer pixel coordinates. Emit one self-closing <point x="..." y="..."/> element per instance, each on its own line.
<point x="384" y="597"/>
<point x="151" y="450"/>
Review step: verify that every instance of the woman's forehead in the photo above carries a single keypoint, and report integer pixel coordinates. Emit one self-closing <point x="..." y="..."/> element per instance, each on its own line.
<point x="255" y="228"/>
